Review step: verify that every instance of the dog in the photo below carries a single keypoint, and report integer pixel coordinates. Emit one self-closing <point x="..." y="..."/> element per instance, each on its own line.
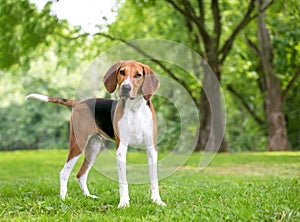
<point x="130" y="121"/>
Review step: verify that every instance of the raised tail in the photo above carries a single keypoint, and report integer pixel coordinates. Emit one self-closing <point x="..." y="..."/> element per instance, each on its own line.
<point x="65" y="102"/>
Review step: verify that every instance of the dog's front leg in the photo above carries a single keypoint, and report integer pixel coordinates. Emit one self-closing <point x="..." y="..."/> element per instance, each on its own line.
<point x="123" y="184"/>
<point x="152" y="163"/>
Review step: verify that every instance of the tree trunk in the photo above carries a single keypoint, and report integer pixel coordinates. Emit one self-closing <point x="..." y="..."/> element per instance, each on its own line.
<point x="211" y="135"/>
<point x="277" y="132"/>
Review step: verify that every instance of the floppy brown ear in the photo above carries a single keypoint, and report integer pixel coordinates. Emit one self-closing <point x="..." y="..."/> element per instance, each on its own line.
<point x="110" y="77"/>
<point x="151" y="83"/>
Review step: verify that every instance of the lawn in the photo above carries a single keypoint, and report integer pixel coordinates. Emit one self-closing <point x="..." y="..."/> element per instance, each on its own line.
<point x="235" y="187"/>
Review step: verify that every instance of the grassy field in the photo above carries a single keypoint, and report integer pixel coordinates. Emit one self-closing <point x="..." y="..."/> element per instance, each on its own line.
<point x="235" y="187"/>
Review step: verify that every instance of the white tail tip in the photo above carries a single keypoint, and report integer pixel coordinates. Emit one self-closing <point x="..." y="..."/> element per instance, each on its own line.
<point x="38" y="97"/>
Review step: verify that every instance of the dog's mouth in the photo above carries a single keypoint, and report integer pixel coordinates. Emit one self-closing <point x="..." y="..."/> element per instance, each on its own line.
<point x="126" y="96"/>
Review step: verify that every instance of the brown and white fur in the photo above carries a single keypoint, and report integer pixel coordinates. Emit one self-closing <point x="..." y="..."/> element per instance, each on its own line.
<point x="130" y="121"/>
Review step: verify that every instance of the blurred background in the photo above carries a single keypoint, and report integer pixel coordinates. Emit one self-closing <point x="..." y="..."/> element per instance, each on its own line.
<point x="252" y="46"/>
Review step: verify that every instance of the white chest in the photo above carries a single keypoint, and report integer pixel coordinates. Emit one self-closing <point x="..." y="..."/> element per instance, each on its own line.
<point x="136" y="124"/>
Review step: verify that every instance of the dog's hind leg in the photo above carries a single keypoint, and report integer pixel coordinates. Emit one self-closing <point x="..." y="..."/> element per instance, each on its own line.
<point x="74" y="154"/>
<point x="92" y="150"/>
<point x="65" y="173"/>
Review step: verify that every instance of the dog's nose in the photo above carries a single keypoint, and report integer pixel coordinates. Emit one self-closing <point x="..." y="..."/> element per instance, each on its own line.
<point x="126" y="88"/>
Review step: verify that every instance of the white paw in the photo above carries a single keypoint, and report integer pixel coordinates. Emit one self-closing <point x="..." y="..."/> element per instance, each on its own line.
<point x="159" y="202"/>
<point x="123" y="203"/>
<point x="92" y="196"/>
<point x="63" y="195"/>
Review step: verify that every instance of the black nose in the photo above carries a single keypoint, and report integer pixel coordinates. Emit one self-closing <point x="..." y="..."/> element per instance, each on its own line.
<point x="126" y="88"/>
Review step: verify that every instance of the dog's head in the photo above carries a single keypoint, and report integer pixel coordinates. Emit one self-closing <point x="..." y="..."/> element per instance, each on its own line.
<point x="133" y="79"/>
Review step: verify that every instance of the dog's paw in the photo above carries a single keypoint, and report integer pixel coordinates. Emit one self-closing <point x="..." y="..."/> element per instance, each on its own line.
<point x="159" y="202"/>
<point x="63" y="195"/>
<point x="92" y="196"/>
<point x="123" y="204"/>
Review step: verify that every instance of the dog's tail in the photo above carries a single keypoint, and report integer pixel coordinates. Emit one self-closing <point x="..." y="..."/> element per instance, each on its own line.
<point x="65" y="102"/>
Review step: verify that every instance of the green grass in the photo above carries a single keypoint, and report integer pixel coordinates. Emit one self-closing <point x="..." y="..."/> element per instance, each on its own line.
<point x="235" y="187"/>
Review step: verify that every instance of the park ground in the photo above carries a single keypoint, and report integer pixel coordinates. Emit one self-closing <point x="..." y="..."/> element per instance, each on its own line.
<point x="235" y="187"/>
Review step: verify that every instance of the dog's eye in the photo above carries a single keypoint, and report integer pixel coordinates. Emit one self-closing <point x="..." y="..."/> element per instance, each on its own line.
<point x="138" y="76"/>
<point x="122" y="72"/>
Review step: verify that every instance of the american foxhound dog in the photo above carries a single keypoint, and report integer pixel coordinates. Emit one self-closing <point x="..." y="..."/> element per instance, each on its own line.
<point x="130" y="121"/>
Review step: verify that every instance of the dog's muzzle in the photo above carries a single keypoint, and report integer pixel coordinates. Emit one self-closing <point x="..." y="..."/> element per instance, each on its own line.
<point x="125" y="90"/>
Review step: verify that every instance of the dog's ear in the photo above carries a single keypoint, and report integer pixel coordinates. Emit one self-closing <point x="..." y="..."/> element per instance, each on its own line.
<point x="110" y="77"/>
<point x="151" y="83"/>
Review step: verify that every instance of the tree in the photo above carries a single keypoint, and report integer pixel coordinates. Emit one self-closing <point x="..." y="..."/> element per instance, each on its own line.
<point x="210" y="46"/>
<point x="39" y="53"/>
<point x="22" y="29"/>
<point x="277" y="70"/>
<point x="277" y="133"/>
<point x="213" y="44"/>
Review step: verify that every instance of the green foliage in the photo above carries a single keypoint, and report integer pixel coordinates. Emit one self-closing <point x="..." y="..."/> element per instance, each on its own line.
<point x="293" y="117"/>
<point x="168" y="127"/>
<point x="157" y="19"/>
<point x="285" y="30"/>
<point x="40" y="55"/>
<point x="153" y="19"/>
<point x="22" y="29"/>
<point x="241" y="130"/>
<point x="243" y="68"/>
<point x="266" y="191"/>
<point x="33" y="124"/>
<point x="44" y="55"/>
<point x="26" y="33"/>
